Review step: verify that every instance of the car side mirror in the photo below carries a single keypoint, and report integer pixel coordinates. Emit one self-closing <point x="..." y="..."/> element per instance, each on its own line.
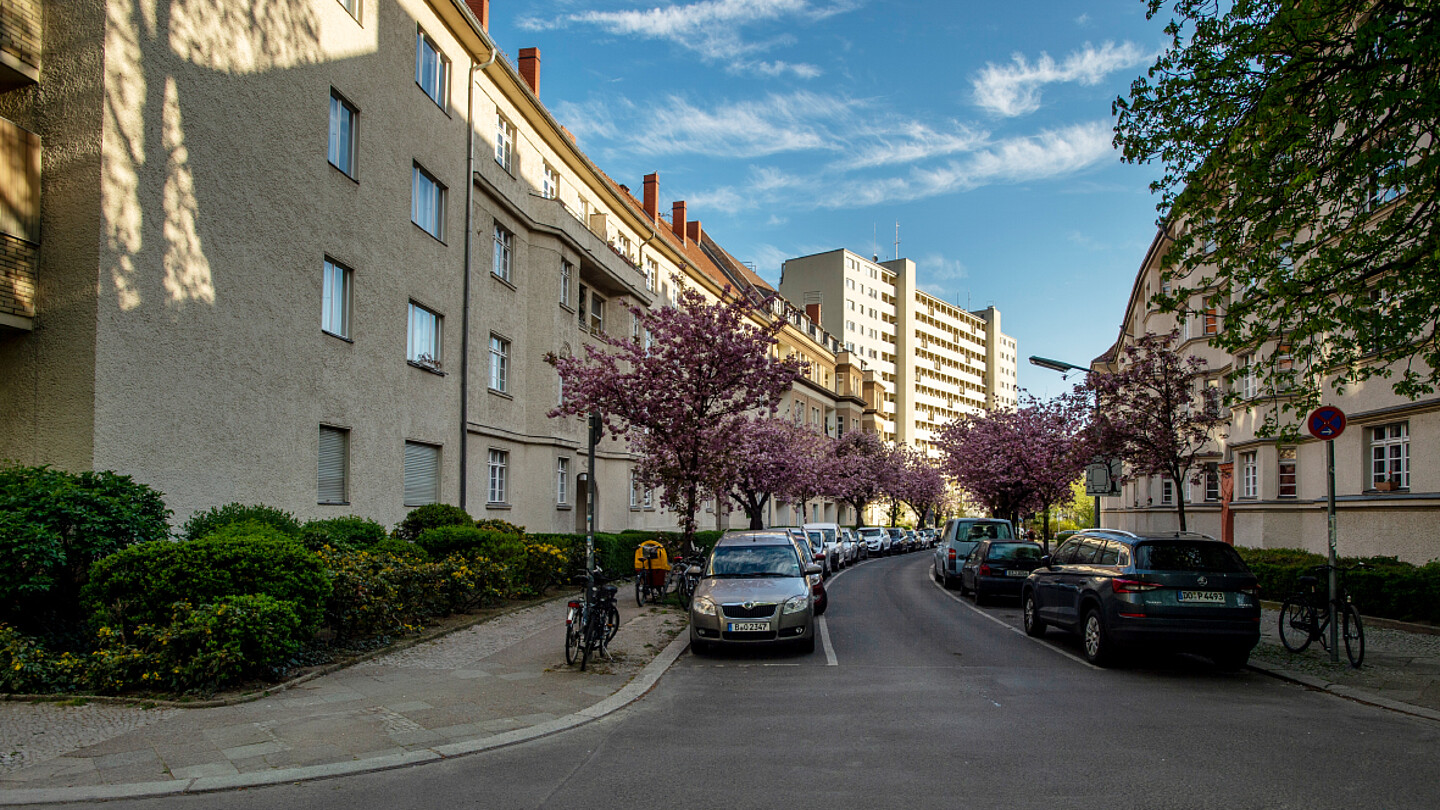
<point x="1045" y="561"/>
<point x="693" y="571"/>
<point x="812" y="569"/>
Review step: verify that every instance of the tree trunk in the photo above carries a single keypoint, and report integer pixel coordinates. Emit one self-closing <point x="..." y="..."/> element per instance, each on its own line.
<point x="1179" y="497"/>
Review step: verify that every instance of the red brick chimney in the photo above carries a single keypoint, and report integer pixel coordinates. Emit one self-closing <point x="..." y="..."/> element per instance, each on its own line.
<point x="693" y="231"/>
<point x="481" y="9"/>
<point x="530" y="68"/>
<point x="812" y="311"/>
<point x="677" y="219"/>
<point x="652" y="196"/>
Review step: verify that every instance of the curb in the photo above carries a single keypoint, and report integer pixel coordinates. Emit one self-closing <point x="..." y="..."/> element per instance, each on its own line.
<point x="631" y="692"/>
<point x="1347" y="692"/>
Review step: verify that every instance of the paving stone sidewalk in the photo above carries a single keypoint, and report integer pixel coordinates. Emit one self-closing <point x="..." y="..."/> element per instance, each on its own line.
<point x="494" y="682"/>
<point x="1401" y="670"/>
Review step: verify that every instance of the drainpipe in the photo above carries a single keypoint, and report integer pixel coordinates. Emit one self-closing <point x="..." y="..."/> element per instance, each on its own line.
<point x="465" y="303"/>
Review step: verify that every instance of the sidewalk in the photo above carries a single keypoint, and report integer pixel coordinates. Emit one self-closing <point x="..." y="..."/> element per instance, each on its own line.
<point x="1401" y="670"/>
<point x="496" y="683"/>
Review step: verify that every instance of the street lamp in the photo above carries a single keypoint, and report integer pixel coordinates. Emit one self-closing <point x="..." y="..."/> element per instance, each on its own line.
<point x="1065" y="368"/>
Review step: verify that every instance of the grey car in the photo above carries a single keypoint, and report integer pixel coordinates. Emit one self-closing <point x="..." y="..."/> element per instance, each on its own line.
<point x="959" y="538"/>
<point x="753" y="590"/>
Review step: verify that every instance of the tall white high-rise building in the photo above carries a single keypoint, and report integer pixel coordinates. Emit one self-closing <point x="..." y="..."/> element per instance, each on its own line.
<point x="936" y="360"/>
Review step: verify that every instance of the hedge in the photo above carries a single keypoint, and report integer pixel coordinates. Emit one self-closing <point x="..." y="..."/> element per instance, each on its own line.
<point x="212" y="520"/>
<point x="343" y="532"/>
<point x="1388" y="588"/>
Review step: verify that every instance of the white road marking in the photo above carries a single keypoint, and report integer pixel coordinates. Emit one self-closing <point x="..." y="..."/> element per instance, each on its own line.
<point x="1073" y="657"/>
<point x="825" y="640"/>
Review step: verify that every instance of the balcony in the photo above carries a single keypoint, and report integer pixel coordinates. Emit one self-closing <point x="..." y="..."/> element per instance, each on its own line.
<point x="19" y="43"/>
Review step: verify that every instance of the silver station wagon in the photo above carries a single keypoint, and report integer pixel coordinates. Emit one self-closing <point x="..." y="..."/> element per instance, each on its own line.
<point x="753" y="590"/>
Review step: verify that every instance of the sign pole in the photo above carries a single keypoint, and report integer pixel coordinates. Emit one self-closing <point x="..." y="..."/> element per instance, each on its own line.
<point x="1327" y="422"/>
<point x="594" y="431"/>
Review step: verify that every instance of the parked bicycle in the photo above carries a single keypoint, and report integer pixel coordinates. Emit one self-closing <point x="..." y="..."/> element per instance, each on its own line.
<point x="1305" y="615"/>
<point x="592" y="621"/>
<point x="681" y="581"/>
<point x="652" y="573"/>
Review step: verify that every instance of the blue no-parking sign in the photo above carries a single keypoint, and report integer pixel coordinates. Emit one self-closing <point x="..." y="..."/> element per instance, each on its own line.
<point x="1326" y="422"/>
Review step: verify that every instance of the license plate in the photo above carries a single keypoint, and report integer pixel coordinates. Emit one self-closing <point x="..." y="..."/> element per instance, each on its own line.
<point x="1203" y="597"/>
<point x="748" y="627"/>
<point x="1017" y="572"/>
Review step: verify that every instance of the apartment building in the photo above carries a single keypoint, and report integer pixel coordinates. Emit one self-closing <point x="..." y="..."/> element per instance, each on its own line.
<point x="1256" y="492"/>
<point x="934" y="360"/>
<point x="313" y="259"/>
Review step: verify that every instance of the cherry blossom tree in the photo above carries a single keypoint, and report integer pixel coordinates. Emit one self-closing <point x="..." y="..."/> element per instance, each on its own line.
<point x="815" y="456"/>
<point x="919" y="483"/>
<point x="1157" y="413"/>
<point x="860" y="472"/>
<point x="774" y="457"/>
<point x="680" y="397"/>
<point x="1012" y="462"/>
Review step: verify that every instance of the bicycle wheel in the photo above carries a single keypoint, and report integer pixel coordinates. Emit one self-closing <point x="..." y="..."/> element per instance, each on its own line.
<point x="640" y="589"/>
<point x="1297" y="624"/>
<point x="1354" y="633"/>
<point x="612" y="623"/>
<point x="574" y="631"/>
<point x="589" y="640"/>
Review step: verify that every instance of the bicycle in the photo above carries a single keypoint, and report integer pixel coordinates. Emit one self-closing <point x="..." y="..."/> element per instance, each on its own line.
<point x="649" y="585"/>
<point x="1305" y="616"/>
<point x="591" y="624"/>
<point x="681" y="580"/>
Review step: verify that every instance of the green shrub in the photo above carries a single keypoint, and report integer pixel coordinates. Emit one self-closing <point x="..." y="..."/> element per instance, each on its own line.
<point x="28" y="668"/>
<point x="342" y="532"/>
<point x="498" y="525"/>
<point x="376" y="595"/>
<point x="542" y="566"/>
<point x="399" y="548"/>
<point x="431" y="516"/>
<point x="54" y="525"/>
<point x="138" y="585"/>
<point x="470" y="541"/>
<point x="1387" y="588"/>
<point x="207" y="522"/>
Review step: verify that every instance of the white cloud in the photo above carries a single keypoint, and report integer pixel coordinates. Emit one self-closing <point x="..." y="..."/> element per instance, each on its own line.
<point x="712" y="28"/>
<point x="1014" y="89"/>
<point x="934" y="267"/>
<point x="1083" y="20"/>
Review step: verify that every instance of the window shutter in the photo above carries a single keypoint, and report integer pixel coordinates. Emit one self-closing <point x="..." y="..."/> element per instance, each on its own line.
<point x="334" y="457"/>
<point x="422" y="474"/>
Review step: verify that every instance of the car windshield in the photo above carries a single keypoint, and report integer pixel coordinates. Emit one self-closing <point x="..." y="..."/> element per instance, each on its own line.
<point x="754" y="561"/>
<point x="1013" y="551"/>
<point x="870" y="532"/>
<point x="1189" y="556"/>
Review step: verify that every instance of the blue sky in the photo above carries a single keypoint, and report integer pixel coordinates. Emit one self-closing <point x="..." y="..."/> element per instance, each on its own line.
<point x="798" y="126"/>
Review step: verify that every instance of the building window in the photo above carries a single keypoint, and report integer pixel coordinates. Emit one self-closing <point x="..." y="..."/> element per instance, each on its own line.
<point x="1390" y="456"/>
<point x="652" y="270"/>
<point x="1249" y="476"/>
<point x="499" y="364"/>
<point x="427" y="202"/>
<point x="567" y="273"/>
<point x="499" y="477"/>
<point x="552" y="183"/>
<point x="584" y="301"/>
<point x="1285" y="472"/>
<point x="335" y="300"/>
<point x="422" y="474"/>
<point x="562" y="481"/>
<point x="334" y="465"/>
<point x="597" y="314"/>
<point x="1167" y="491"/>
<point x="1212" y="482"/>
<point x="635" y="490"/>
<point x="432" y="69"/>
<point x="1212" y="321"/>
<point x="504" y="252"/>
<point x="648" y="498"/>
<point x="1248" y="386"/>
<point x="505" y="143"/>
<point x="342" y="133"/>
<point x="423" y="347"/>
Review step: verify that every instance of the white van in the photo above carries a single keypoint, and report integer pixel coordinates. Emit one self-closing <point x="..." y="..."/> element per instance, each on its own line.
<point x="830" y="532"/>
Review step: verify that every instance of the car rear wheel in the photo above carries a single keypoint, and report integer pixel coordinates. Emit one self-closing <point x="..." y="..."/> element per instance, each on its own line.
<point x="1034" y="625"/>
<point x="1095" y="639"/>
<point x="980" y="599"/>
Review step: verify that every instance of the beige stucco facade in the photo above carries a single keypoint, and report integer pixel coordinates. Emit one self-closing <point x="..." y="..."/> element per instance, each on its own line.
<point x="169" y="322"/>
<point x="1268" y="510"/>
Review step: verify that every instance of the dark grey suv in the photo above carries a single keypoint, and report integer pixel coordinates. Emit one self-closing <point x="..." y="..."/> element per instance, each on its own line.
<point x="1178" y="591"/>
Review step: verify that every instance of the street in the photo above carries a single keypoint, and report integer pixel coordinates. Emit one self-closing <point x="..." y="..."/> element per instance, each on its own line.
<point x="920" y="700"/>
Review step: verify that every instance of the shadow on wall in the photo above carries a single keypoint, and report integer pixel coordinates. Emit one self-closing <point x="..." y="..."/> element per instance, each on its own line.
<point x="225" y="36"/>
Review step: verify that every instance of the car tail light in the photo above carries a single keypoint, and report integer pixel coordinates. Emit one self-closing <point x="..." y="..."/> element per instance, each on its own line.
<point x="952" y="555"/>
<point x="1122" y="585"/>
<point x="984" y="570"/>
<point x="1253" y="590"/>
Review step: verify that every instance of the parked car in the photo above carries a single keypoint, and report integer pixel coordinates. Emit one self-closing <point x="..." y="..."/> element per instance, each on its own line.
<point x="1160" y="591"/>
<point x="959" y="538"/>
<point x="817" y="581"/>
<point x="998" y="568"/>
<point x="753" y="589"/>
<point x="876" y="539"/>
<point x="851" y="545"/>
<point x="898" y="543"/>
<point x="830" y="536"/>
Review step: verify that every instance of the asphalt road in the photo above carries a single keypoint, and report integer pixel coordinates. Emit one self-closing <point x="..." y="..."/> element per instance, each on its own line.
<point x="920" y="700"/>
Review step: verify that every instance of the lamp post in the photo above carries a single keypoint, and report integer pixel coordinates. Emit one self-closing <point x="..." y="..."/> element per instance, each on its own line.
<point x="1065" y="368"/>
